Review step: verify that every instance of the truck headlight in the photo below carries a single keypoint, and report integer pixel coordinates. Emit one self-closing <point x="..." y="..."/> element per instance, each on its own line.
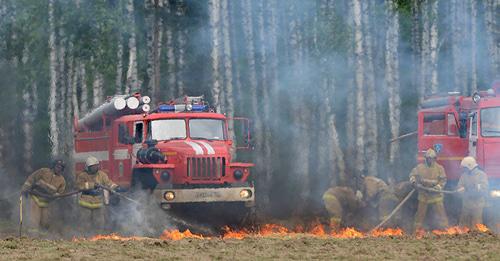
<point x="495" y="193"/>
<point x="245" y="193"/>
<point x="169" y="195"/>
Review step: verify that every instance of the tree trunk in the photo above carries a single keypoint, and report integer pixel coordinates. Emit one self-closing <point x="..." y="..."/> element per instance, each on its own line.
<point x="493" y="35"/>
<point x="214" y="6"/>
<point x="433" y="45"/>
<point x="149" y="20"/>
<point x="359" y="83"/>
<point x="228" y="68"/>
<point x="74" y="87"/>
<point x="392" y="74"/>
<point x="424" y="58"/>
<point x="53" y="129"/>
<point x="132" y="84"/>
<point x="158" y="35"/>
<point x="181" y="50"/>
<point x="371" y="135"/>
<point x="416" y="41"/>
<point x="84" y="99"/>
<point x="119" y="65"/>
<point x="473" y="40"/>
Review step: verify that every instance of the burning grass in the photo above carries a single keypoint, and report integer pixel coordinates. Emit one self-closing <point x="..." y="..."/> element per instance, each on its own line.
<point x="315" y="229"/>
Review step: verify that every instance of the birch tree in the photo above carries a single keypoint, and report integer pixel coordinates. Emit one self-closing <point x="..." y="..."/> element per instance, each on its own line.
<point x="214" y="9"/>
<point x="54" y="131"/>
<point x="392" y="74"/>
<point x="433" y="45"/>
<point x="132" y="84"/>
<point x="371" y="94"/>
<point x="359" y="83"/>
<point x="228" y="67"/>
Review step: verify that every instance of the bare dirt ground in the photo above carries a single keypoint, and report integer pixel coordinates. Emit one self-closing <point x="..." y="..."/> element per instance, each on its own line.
<point x="484" y="246"/>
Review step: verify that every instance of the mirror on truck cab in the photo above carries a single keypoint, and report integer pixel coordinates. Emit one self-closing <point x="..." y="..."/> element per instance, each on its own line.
<point x="242" y="132"/>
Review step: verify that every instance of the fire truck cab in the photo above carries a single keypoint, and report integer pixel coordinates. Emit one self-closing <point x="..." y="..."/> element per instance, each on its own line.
<point x="458" y="126"/>
<point x="181" y="151"/>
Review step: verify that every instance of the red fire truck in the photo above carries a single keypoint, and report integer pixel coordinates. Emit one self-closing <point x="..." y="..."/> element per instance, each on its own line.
<point x="457" y="126"/>
<point x="180" y="151"/>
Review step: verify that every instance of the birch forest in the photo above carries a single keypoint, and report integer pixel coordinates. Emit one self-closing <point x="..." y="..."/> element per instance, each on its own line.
<point x="326" y="83"/>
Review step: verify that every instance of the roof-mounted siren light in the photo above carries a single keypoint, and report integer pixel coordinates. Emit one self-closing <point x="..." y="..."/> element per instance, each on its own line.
<point x="146" y="108"/>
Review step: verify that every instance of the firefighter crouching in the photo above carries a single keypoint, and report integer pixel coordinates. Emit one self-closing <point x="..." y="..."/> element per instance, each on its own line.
<point x="43" y="182"/>
<point x="473" y="185"/>
<point x="377" y="202"/>
<point x="91" y="201"/>
<point x="371" y="204"/>
<point x="339" y="202"/>
<point x="429" y="175"/>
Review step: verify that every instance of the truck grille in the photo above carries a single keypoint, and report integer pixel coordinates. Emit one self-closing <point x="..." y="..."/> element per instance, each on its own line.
<point x="206" y="168"/>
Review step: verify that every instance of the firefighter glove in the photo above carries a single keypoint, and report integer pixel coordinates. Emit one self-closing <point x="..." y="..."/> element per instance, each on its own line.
<point x="438" y="187"/>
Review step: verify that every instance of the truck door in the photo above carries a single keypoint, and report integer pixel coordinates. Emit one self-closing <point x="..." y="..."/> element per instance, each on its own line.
<point x="473" y="135"/>
<point x="121" y="154"/>
<point x="138" y="139"/>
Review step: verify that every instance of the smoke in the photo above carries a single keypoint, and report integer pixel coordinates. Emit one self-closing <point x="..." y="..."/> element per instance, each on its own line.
<point x="303" y="53"/>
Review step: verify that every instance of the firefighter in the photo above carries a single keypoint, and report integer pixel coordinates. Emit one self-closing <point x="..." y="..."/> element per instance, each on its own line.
<point x="40" y="185"/>
<point x="429" y="175"/>
<point x="91" y="181"/>
<point x="340" y="202"/>
<point x="473" y="185"/>
<point x="376" y="201"/>
<point x="373" y="202"/>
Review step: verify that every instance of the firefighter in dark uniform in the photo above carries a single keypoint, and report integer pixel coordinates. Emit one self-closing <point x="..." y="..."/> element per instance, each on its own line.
<point x="43" y="182"/>
<point x="429" y="175"/>
<point x="91" y="181"/>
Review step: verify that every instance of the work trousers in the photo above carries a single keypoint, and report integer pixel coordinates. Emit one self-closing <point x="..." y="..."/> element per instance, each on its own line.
<point x="437" y="211"/>
<point x="92" y="220"/>
<point x="472" y="214"/>
<point x="38" y="216"/>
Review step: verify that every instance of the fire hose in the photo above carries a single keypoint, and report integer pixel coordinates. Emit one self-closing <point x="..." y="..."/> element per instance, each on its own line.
<point x="406" y="199"/>
<point x="408" y="196"/>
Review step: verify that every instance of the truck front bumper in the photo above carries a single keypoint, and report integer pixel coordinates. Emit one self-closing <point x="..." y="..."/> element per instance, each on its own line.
<point x="199" y="195"/>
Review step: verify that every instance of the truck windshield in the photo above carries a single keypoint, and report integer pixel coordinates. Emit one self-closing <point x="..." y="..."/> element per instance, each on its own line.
<point x="171" y="129"/>
<point x="209" y="129"/>
<point x="490" y="122"/>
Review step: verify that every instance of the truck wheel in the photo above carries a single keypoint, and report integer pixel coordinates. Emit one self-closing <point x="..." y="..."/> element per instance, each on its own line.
<point x="250" y="218"/>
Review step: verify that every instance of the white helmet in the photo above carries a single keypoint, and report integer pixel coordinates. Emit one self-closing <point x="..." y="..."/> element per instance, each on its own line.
<point x="469" y="163"/>
<point x="91" y="161"/>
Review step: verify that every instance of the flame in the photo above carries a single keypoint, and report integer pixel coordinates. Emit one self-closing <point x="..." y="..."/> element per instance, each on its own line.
<point x="115" y="237"/>
<point x="273" y="229"/>
<point x="177" y="235"/>
<point x="387" y="232"/>
<point x="482" y="228"/>
<point x="315" y="229"/>
<point x="455" y="230"/>
<point x="347" y="233"/>
<point x="231" y="234"/>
